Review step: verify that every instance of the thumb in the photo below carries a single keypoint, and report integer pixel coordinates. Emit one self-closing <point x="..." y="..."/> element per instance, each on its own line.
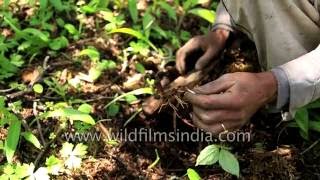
<point x="215" y="87"/>
<point x="204" y="60"/>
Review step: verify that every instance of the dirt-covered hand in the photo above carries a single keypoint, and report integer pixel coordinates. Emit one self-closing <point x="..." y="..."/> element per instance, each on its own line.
<point x="229" y="102"/>
<point x="211" y="45"/>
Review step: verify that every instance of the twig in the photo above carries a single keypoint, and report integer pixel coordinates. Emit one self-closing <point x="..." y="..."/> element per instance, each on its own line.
<point x="310" y="147"/>
<point x="46" y="146"/>
<point x="6" y="90"/>
<point x="35" y="113"/>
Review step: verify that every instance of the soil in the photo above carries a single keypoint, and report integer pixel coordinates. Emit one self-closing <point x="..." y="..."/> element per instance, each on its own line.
<point x="273" y="152"/>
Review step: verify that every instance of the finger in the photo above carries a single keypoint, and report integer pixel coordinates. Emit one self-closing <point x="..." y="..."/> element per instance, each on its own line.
<point x="214" y="128"/>
<point x="191" y="46"/>
<point x="205" y="59"/>
<point x="214" y="116"/>
<point x="222" y="84"/>
<point x="213" y="101"/>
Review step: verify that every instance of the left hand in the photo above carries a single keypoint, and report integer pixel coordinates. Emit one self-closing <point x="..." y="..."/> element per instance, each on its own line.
<point x="230" y="101"/>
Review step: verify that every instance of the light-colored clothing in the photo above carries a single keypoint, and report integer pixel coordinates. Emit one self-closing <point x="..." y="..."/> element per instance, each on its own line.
<point x="286" y="34"/>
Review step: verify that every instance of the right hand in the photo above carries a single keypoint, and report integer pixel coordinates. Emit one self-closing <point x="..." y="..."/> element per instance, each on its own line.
<point x="211" y="44"/>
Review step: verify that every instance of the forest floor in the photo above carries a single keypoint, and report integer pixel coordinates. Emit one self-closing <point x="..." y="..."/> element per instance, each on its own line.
<point x="274" y="151"/>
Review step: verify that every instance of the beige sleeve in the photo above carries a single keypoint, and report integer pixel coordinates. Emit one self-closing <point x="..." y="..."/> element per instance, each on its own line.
<point x="223" y="19"/>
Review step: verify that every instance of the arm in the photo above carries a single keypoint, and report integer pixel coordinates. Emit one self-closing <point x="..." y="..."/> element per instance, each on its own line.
<point x="299" y="81"/>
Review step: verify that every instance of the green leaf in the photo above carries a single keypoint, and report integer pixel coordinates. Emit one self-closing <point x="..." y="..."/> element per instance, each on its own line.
<point x="85" y="108"/>
<point x="191" y="3"/>
<point x="131" y="98"/>
<point x="133" y="10"/>
<point x="59" y="43"/>
<point x="140" y="68"/>
<point x="208" y="156"/>
<point x="169" y="9"/>
<point x="72" y="115"/>
<point x="315" y="126"/>
<point x="54" y="165"/>
<point x="229" y="162"/>
<point x="36" y="33"/>
<point x="193" y="175"/>
<point x="38" y="88"/>
<point x="113" y="109"/>
<point x="93" y="54"/>
<point x="71" y="29"/>
<point x="32" y="139"/>
<point x="73" y="156"/>
<point x="66" y="149"/>
<point x="134" y="92"/>
<point x="43" y="4"/>
<point x="135" y="34"/>
<point x="80" y="150"/>
<point x="12" y="139"/>
<point x="302" y="119"/>
<point x="147" y="21"/>
<point x="204" y="13"/>
<point x="57" y="4"/>
<point x="1" y="145"/>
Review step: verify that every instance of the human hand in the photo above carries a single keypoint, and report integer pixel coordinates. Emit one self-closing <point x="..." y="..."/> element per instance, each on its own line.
<point x="211" y="45"/>
<point x="230" y="101"/>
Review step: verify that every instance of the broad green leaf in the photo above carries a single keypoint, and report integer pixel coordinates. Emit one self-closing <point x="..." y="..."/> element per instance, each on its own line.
<point x="72" y="114"/>
<point x="193" y="175"/>
<point x="22" y="170"/>
<point x="94" y="74"/>
<point x="229" y="162"/>
<point x="134" y="33"/>
<point x="113" y="109"/>
<point x="169" y="9"/>
<point x="80" y="150"/>
<point x="140" y="68"/>
<point x="59" y="43"/>
<point x="131" y="98"/>
<point x="32" y="139"/>
<point x="38" y="88"/>
<point x="133" y="10"/>
<point x="54" y="165"/>
<point x="88" y="9"/>
<point x="71" y="29"/>
<point x="302" y="119"/>
<point x="85" y="108"/>
<point x="93" y="54"/>
<point x="134" y="92"/>
<point x="208" y="156"/>
<point x="12" y="139"/>
<point x="204" y="13"/>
